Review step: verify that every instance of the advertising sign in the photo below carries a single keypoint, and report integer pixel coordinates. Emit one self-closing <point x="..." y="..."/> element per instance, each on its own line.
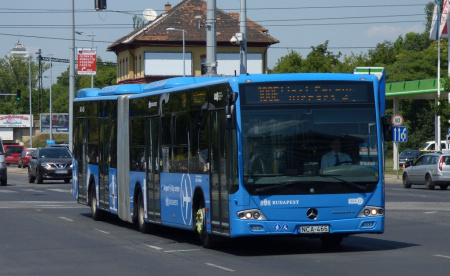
<point x="87" y="61"/>
<point x="12" y="120"/>
<point x="60" y="123"/>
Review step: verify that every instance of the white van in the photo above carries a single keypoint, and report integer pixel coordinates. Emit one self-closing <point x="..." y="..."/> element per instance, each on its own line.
<point x="3" y="175"/>
<point x="430" y="146"/>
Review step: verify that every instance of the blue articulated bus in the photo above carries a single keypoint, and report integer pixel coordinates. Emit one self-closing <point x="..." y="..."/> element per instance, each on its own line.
<point x="237" y="156"/>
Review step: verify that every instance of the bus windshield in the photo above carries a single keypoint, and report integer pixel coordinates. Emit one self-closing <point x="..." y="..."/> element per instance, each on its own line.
<point x="309" y="148"/>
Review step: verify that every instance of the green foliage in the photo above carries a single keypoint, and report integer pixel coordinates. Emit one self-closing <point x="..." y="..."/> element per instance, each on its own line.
<point x="291" y="63"/>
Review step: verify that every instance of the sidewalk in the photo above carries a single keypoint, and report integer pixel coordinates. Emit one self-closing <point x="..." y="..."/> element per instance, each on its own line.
<point x="392" y="178"/>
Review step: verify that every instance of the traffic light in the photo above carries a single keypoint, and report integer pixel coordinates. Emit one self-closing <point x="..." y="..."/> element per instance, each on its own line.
<point x="100" y="5"/>
<point x="18" y="94"/>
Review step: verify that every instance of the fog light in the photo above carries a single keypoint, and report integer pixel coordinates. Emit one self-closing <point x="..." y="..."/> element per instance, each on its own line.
<point x="256" y="227"/>
<point x="368" y="224"/>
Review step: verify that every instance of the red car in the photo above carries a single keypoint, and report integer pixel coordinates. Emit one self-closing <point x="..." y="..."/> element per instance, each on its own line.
<point x="12" y="153"/>
<point x="24" y="158"/>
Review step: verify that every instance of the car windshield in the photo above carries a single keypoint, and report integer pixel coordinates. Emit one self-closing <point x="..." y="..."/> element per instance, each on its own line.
<point x="55" y="153"/>
<point x="409" y="153"/>
<point x="288" y="150"/>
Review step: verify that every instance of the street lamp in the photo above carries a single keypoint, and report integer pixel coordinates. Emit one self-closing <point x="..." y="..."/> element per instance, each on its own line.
<point x="184" y="52"/>
<point x="29" y="90"/>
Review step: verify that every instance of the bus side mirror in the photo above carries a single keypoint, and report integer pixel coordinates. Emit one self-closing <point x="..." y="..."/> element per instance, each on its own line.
<point x="230" y="110"/>
<point x="387" y="128"/>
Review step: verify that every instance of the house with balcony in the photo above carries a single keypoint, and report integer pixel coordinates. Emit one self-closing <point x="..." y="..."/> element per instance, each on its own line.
<point x="152" y="52"/>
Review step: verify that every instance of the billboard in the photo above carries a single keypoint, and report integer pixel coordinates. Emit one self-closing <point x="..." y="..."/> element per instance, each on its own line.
<point x="17" y="120"/>
<point x="60" y="123"/>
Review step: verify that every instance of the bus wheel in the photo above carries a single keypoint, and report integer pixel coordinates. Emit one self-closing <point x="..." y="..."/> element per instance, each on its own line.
<point x="95" y="212"/>
<point x="200" y="228"/>
<point x="331" y="240"/>
<point x="144" y="227"/>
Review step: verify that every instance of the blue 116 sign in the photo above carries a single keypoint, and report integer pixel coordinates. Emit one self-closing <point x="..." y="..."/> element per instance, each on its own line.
<point x="400" y="134"/>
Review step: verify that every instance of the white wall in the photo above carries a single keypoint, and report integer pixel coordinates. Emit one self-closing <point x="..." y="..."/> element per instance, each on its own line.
<point x="167" y="64"/>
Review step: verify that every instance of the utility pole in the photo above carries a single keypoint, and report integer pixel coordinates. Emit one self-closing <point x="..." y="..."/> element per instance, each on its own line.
<point x="211" y="39"/>
<point x="72" y="72"/>
<point x="243" y="43"/>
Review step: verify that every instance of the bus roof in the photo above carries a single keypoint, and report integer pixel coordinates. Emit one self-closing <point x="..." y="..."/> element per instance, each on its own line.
<point x="177" y="82"/>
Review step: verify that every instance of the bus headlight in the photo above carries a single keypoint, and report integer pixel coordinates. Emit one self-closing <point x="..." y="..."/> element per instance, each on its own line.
<point x="253" y="214"/>
<point x="371" y="211"/>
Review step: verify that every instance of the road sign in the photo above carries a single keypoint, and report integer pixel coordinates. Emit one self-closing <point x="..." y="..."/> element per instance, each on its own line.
<point x="397" y="120"/>
<point x="87" y="61"/>
<point x="400" y="134"/>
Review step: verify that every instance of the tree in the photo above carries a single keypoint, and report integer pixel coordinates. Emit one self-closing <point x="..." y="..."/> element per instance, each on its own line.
<point x="291" y="63"/>
<point x="137" y="22"/>
<point x="321" y="60"/>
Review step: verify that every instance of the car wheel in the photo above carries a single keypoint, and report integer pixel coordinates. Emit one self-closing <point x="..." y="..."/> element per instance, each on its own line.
<point x="443" y="187"/>
<point x="3" y="182"/>
<point x="30" y="177"/>
<point x="18" y="165"/>
<point x="429" y="183"/>
<point x="39" y="179"/>
<point x="406" y="183"/>
<point x="67" y="180"/>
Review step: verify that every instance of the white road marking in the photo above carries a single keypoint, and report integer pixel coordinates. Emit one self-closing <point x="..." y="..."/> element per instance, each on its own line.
<point x="7" y="191"/>
<point x="101" y="231"/>
<point x="181" y="250"/>
<point x="220" y="267"/>
<point x="154" y="247"/>
<point x="66" y="219"/>
<point x="442" y="256"/>
<point x="59" y="190"/>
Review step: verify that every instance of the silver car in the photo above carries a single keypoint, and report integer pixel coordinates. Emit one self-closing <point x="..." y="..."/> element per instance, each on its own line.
<point x="430" y="169"/>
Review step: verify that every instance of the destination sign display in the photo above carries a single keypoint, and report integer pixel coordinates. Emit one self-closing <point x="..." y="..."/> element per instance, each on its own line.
<point x="307" y="92"/>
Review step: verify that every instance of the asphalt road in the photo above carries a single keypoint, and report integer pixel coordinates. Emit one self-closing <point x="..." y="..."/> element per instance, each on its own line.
<point x="43" y="231"/>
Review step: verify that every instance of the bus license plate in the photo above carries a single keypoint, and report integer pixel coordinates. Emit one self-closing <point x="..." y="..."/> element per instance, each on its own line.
<point x="312" y="229"/>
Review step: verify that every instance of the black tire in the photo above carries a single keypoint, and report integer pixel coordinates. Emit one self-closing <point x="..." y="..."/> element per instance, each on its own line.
<point x="95" y="212"/>
<point x="18" y="165"/>
<point x="429" y="183"/>
<point x="39" y="179"/>
<point x="67" y="180"/>
<point x="30" y="177"/>
<point x="3" y="182"/>
<point x="205" y="238"/>
<point x="444" y="187"/>
<point x="406" y="183"/>
<point x="331" y="240"/>
<point x="144" y="227"/>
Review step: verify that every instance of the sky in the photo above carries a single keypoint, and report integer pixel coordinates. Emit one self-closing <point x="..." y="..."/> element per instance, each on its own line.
<point x="349" y="25"/>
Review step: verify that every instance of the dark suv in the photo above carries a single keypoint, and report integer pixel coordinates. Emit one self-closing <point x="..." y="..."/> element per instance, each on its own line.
<point x="50" y="164"/>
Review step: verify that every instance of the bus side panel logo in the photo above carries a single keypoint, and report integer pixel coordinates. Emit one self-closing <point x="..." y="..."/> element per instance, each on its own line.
<point x="186" y="199"/>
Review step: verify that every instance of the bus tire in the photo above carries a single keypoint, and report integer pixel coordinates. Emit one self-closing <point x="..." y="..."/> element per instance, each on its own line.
<point x="144" y="227"/>
<point x="95" y="212"/>
<point x="206" y="239"/>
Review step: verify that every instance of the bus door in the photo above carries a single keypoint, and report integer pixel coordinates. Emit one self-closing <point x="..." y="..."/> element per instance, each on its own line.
<point x="153" y="170"/>
<point x="103" y="165"/>
<point x="81" y="153"/>
<point x="219" y="182"/>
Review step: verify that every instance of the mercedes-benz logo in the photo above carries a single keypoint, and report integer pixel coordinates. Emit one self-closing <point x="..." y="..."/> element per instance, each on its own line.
<point x="312" y="213"/>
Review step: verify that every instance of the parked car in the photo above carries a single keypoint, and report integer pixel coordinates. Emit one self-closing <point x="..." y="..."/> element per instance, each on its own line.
<point x="24" y="158"/>
<point x="3" y="167"/>
<point x="430" y="146"/>
<point x="12" y="153"/>
<point x="50" y="164"/>
<point x="430" y="169"/>
<point x="408" y="155"/>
